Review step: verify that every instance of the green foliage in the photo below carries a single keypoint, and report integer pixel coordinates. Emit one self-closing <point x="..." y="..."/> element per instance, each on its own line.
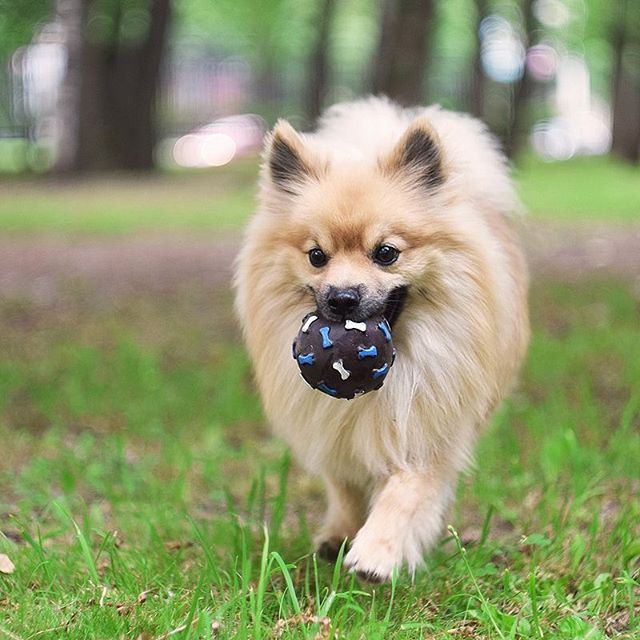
<point x="266" y="32"/>
<point x="19" y="20"/>
<point x="113" y="23"/>
<point x="454" y="47"/>
<point x="354" y="37"/>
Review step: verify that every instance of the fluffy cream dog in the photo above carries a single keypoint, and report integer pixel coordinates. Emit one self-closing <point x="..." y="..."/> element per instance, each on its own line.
<point x="404" y="212"/>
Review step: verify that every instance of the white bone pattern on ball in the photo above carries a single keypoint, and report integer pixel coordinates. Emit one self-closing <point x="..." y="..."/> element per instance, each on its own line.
<point x="338" y="365"/>
<point x="360" y="326"/>
<point x="308" y="322"/>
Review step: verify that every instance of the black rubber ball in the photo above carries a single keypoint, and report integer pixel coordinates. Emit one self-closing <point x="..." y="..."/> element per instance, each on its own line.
<point x="344" y="359"/>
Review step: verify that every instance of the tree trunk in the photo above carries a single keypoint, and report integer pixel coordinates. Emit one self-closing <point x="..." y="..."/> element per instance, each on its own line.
<point x="475" y="103"/>
<point x="517" y="134"/>
<point x="400" y="64"/>
<point x="111" y="87"/>
<point x="70" y="13"/>
<point x="318" y="70"/>
<point x="625" y="133"/>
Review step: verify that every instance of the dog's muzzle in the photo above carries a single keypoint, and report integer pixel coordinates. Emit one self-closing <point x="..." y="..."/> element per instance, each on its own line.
<point x="342" y="303"/>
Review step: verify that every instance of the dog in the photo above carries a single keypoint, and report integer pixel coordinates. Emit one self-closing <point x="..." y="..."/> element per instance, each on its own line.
<point x="407" y="213"/>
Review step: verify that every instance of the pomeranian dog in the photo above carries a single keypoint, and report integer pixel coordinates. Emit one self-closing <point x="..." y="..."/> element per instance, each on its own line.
<point x="404" y="213"/>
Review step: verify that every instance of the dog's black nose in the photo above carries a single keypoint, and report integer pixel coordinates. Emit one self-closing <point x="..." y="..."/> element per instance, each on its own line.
<point x="343" y="301"/>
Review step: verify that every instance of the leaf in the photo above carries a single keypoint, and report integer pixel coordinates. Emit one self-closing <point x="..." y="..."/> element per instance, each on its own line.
<point x="6" y="566"/>
<point x="489" y="569"/>
<point x="536" y="539"/>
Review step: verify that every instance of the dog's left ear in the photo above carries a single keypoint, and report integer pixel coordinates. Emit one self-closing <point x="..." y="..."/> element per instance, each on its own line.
<point x="417" y="155"/>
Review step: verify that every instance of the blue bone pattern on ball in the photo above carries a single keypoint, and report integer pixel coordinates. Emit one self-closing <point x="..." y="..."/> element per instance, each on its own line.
<point x="367" y="352"/>
<point x="326" y="389"/>
<point x="382" y="371"/>
<point x="324" y="332"/>
<point x="385" y="329"/>
<point x="307" y="358"/>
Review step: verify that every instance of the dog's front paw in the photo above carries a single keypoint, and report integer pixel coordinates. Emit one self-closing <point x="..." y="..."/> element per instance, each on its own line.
<point x="373" y="558"/>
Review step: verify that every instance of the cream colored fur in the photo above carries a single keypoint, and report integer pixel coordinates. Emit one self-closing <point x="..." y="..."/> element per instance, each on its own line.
<point x="390" y="459"/>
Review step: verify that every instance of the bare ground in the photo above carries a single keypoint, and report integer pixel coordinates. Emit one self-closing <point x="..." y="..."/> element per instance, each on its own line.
<point x="42" y="268"/>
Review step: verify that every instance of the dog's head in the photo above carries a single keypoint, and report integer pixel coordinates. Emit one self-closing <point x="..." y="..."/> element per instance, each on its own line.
<point x="360" y="238"/>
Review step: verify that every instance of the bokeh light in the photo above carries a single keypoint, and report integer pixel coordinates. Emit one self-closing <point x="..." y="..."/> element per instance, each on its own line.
<point x="503" y="53"/>
<point x="218" y="143"/>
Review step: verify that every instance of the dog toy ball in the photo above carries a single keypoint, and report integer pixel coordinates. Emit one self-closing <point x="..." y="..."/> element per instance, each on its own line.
<point x="344" y="359"/>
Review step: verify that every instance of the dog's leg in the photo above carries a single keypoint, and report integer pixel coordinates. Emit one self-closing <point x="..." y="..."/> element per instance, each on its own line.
<point x="346" y="511"/>
<point x="406" y="518"/>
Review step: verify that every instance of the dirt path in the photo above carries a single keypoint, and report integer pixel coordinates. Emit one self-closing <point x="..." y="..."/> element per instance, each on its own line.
<point x="42" y="267"/>
<point x="577" y="251"/>
<point x="39" y="266"/>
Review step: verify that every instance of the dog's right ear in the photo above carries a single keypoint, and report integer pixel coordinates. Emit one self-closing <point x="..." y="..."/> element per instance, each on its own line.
<point x="286" y="159"/>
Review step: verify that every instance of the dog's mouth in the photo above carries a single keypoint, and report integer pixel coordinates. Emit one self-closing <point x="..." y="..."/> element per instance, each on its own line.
<point x="395" y="304"/>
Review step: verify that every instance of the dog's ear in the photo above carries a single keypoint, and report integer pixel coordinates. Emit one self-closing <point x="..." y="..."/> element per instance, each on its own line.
<point x="417" y="155"/>
<point x="286" y="160"/>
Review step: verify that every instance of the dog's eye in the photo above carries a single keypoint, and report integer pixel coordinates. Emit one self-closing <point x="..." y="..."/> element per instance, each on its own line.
<point x="317" y="257"/>
<point x="385" y="255"/>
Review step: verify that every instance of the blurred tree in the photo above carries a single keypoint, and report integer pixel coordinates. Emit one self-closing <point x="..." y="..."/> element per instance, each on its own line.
<point x="108" y="103"/>
<point x="625" y="141"/>
<point x="318" y="71"/>
<point x="518" y="131"/>
<point x="400" y="63"/>
<point x="477" y="84"/>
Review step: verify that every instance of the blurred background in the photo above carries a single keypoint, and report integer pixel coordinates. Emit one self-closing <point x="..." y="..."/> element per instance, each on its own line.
<point x="102" y="85"/>
<point x="130" y="133"/>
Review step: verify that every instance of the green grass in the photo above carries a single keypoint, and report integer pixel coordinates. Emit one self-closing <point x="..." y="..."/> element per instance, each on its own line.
<point x="593" y="188"/>
<point x="212" y="200"/>
<point x="141" y="497"/>
<point x="585" y="188"/>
